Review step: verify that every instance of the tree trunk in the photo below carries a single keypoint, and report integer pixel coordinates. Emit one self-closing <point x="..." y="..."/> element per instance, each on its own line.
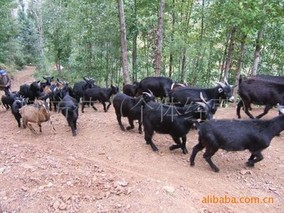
<point x="134" y="48"/>
<point x="222" y="67"/>
<point x="188" y="8"/>
<point x="200" y="53"/>
<point x="256" y="57"/>
<point x="183" y="65"/>
<point x="171" y="65"/>
<point x="123" y="42"/>
<point x="230" y="52"/>
<point x="210" y="64"/>
<point x="240" y="61"/>
<point x="159" y="40"/>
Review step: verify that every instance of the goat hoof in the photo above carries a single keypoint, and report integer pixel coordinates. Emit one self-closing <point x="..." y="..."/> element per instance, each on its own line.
<point x="184" y="151"/>
<point x="250" y="164"/>
<point x="129" y="127"/>
<point x="216" y="169"/>
<point x="192" y="164"/>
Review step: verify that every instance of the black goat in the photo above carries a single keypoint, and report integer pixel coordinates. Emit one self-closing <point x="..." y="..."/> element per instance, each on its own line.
<point x="80" y="87"/>
<point x="130" y="107"/>
<point x="58" y="91"/>
<point x="173" y="120"/>
<point x="8" y="99"/>
<point x="130" y="89"/>
<point x="259" y="91"/>
<point x="69" y="107"/>
<point x="17" y="104"/>
<point x="159" y="86"/>
<point x="48" y="81"/>
<point x="236" y="135"/>
<point x="31" y="91"/>
<point x="99" y="94"/>
<point x="189" y="95"/>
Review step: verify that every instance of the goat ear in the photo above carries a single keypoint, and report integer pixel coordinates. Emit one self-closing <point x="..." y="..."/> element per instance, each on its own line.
<point x="220" y="90"/>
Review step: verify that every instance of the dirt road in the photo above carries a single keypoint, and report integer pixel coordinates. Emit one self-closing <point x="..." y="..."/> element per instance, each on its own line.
<point x="103" y="169"/>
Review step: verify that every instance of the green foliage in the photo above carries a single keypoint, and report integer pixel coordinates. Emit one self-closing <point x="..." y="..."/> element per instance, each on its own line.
<point x="83" y="36"/>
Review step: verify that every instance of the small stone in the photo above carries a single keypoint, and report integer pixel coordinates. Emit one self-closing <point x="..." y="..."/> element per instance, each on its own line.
<point x="2" y="170"/>
<point x="169" y="189"/>
<point x="62" y="206"/>
<point x="49" y="184"/>
<point x="24" y="189"/>
<point x="56" y="204"/>
<point x="245" y="171"/>
<point x="122" y="183"/>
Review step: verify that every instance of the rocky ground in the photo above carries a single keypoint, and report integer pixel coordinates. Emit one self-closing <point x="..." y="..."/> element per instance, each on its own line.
<point x="103" y="169"/>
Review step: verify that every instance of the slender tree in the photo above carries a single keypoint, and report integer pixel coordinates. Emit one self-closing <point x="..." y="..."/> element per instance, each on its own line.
<point x="230" y="52"/>
<point x="256" y="58"/>
<point x="159" y="40"/>
<point x="123" y="42"/>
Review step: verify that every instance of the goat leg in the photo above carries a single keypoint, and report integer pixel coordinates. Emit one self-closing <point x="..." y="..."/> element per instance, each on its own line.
<point x="92" y="104"/>
<point x="108" y="105"/>
<point x="153" y="146"/>
<point x="207" y="156"/>
<point x="31" y="128"/>
<point x="239" y="106"/>
<point x="255" y="157"/>
<point x="140" y="126"/>
<point x="39" y="125"/>
<point x="118" y="117"/>
<point x="183" y="145"/>
<point x="178" y="145"/>
<point x="266" y="109"/>
<point x="195" y="150"/>
<point x="130" y="121"/>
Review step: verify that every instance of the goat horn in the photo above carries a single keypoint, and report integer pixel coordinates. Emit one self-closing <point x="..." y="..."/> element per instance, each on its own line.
<point x="280" y="108"/>
<point x="226" y="82"/>
<point x="202" y="98"/>
<point x="151" y="92"/>
<point x="221" y="84"/>
<point x="147" y="93"/>
<point x="201" y="104"/>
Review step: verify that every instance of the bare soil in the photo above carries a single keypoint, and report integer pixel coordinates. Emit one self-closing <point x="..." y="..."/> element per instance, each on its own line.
<point x="104" y="169"/>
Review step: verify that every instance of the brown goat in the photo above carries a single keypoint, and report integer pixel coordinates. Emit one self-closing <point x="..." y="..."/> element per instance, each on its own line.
<point x="36" y="113"/>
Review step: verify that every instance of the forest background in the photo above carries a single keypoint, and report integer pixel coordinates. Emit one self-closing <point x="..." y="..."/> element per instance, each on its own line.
<point x="115" y="42"/>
